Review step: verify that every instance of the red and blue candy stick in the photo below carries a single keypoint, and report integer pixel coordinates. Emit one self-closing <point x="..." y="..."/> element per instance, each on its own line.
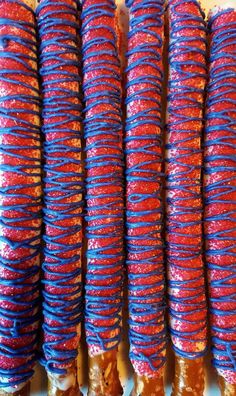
<point x="104" y="193"/>
<point x="220" y="193"/>
<point x="144" y="211"/>
<point x="63" y="186"/>
<point x="184" y="205"/>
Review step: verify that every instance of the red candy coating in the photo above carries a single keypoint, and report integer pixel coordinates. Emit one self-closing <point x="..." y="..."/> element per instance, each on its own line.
<point x="143" y="188"/>
<point x="187" y="80"/>
<point x="104" y="165"/>
<point x="220" y="191"/>
<point x="59" y="69"/>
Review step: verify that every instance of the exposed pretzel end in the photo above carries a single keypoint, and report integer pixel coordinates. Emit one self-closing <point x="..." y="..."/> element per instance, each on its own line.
<point x="226" y="388"/>
<point x="146" y="386"/>
<point x="103" y="375"/>
<point x="189" y="377"/>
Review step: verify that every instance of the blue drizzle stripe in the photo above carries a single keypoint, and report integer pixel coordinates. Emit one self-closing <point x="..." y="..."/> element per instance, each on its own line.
<point x="63" y="188"/>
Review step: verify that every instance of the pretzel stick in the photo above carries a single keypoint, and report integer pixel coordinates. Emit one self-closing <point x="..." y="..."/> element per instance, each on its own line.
<point x="186" y="284"/>
<point x="147" y="333"/>
<point x="144" y="385"/>
<point x="103" y="133"/>
<point x="62" y="308"/>
<point x="103" y="375"/>
<point x="71" y="388"/>
<point x="220" y="192"/>
<point x="226" y="388"/>
<point x="189" y="377"/>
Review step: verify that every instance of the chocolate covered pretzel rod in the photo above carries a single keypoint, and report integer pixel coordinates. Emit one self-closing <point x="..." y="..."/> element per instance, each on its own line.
<point x="104" y="166"/>
<point x="220" y="193"/>
<point x="185" y="268"/>
<point x="61" y="114"/>
<point x="20" y="194"/>
<point x="147" y="331"/>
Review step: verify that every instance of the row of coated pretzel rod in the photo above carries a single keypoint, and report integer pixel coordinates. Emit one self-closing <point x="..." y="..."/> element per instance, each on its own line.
<point x="83" y="164"/>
